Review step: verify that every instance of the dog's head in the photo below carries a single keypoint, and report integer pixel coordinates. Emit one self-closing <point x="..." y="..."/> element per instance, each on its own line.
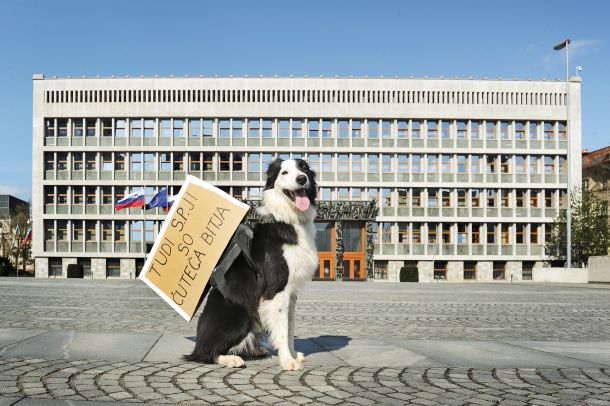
<point x="294" y="181"/>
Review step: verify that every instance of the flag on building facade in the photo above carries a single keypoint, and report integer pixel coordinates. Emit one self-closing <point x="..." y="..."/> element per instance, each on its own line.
<point x="135" y="199"/>
<point x="170" y="201"/>
<point x="158" y="200"/>
<point x="27" y="238"/>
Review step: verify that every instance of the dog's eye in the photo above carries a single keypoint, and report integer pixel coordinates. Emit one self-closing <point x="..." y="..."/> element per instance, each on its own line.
<point x="285" y="173"/>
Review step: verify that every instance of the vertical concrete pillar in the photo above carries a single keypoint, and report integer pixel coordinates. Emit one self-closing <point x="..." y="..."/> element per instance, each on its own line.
<point x="394" y="270"/>
<point x="64" y="266"/>
<point x="485" y="271"/>
<point x="425" y="271"/>
<point x="128" y="268"/>
<point x="514" y="269"/>
<point x="455" y="271"/>
<point x="98" y="268"/>
<point x="41" y="267"/>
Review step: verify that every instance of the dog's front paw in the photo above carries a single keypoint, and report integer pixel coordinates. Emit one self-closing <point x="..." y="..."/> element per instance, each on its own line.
<point x="291" y="364"/>
<point x="300" y="357"/>
<point x="231" y="361"/>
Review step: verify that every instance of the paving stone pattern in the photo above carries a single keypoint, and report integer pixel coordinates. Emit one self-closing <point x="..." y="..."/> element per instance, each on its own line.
<point x="190" y="383"/>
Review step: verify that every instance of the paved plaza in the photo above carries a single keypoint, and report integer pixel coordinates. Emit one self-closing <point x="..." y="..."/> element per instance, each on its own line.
<point x="86" y="341"/>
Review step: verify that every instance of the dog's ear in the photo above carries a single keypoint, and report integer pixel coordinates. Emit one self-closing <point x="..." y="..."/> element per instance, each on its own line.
<point x="272" y="172"/>
<point x="312" y="190"/>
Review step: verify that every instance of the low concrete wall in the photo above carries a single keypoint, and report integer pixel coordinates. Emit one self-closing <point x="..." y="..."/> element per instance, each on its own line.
<point x="599" y="269"/>
<point x="560" y="275"/>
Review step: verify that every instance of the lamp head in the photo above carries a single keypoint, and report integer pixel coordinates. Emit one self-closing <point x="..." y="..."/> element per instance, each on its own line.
<point x="562" y="44"/>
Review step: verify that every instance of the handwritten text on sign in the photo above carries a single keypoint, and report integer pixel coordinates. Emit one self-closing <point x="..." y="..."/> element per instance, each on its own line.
<point x="194" y="236"/>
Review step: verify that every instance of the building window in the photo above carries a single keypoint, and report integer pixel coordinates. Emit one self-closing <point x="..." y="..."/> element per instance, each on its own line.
<point x="119" y="161"/>
<point x="55" y="265"/>
<point x="499" y="270"/>
<point x="432" y="129"/>
<point x="549" y="165"/>
<point x="386" y="129"/>
<point x="78" y="234"/>
<point x="475" y="198"/>
<point x="562" y="131"/>
<point x="505" y="234"/>
<point x="90" y="161"/>
<point x="327" y="163"/>
<point x="492" y="234"/>
<point x="119" y="127"/>
<point x="520" y="198"/>
<point x="178" y="128"/>
<point x="534" y="237"/>
<point x="178" y="161"/>
<point x="343" y="163"/>
<point x="445" y="164"/>
<point x="386" y="197"/>
<point x="490" y="130"/>
<point x="225" y="129"/>
<point x="254" y="128"/>
<point x="403" y="233"/>
<point x="505" y="198"/>
<point x="385" y="230"/>
<point x="446" y="233"/>
<point x="136" y="127"/>
<point x="224" y="162"/>
<point x="503" y="130"/>
<point x="356" y="193"/>
<point x="445" y="198"/>
<point x="343" y="128"/>
<point x="563" y="199"/>
<point x="136" y="162"/>
<point x="77" y="127"/>
<point x="432" y="198"/>
<point x="462" y="234"/>
<point x="356" y="129"/>
<point x="208" y="162"/>
<point x="403" y="163"/>
<point x="461" y="130"/>
<point x="462" y="164"/>
<point x="113" y="268"/>
<point x="415" y="129"/>
<point x="520" y="130"/>
<point x="386" y="163"/>
<point x="416" y="233"/>
<point x="563" y="165"/>
<point x="208" y="128"/>
<point x="62" y="230"/>
<point x="403" y="128"/>
<point x="534" y="198"/>
<point x="267" y="129"/>
<point x="373" y="163"/>
<point x="492" y="198"/>
<point x="445" y="133"/>
<point x="416" y="163"/>
<point x="432" y="233"/>
<point x="356" y="163"/>
<point x="534" y="165"/>
<point x="77" y="161"/>
<point x="327" y="129"/>
<point x="195" y="128"/>
<point x="107" y="127"/>
<point x="62" y="161"/>
<point x="491" y="164"/>
<point x="381" y="269"/>
<point x="470" y="270"/>
<point x="373" y="194"/>
<point x="527" y="268"/>
<point x="373" y="129"/>
<point x="474" y="130"/>
<point x="403" y="197"/>
<point x="297" y="131"/>
<point x="62" y="127"/>
<point x="461" y="197"/>
<point x="475" y="164"/>
<point x="343" y="193"/>
<point x="476" y="233"/>
<point x="549" y="133"/>
<point x="533" y="130"/>
<point x="549" y="199"/>
<point x="520" y="233"/>
<point x="520" y="165"/>
<point x="440" y="270"/>
<point x="90" y="231"/>
<point x="505" y="163"/>
<point x="432" y="164"/>
<point x="49" y="127"/>
<point x="416" y="197"/>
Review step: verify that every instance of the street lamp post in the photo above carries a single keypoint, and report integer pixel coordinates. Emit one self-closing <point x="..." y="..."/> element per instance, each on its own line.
<point x="566" y="44"/>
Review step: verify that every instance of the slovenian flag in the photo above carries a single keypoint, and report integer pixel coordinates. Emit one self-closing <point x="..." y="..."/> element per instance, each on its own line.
<point x="135" y="199"/>
<point x="27" y="238"/>
<point x="158" y="200"/>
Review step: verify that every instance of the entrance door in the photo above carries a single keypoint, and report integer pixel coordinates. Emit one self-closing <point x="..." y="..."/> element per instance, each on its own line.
<point x="353" y="254"/>
<point x="325" y="244"/>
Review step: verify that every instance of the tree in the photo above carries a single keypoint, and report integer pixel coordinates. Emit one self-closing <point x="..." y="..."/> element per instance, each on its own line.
<point x="20" y="224"/>
<point x="589" y="230"/>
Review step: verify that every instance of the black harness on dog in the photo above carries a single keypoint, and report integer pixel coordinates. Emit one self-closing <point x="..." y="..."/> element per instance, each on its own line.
<point x="240" y="243"/>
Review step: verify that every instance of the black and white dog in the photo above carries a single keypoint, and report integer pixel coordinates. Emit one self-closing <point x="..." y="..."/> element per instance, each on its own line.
<point x="263" y="299"/>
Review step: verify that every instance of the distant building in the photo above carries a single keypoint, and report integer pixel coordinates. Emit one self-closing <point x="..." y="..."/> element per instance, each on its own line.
<point x="596" y="175"/>
<point x="466" y="175"/>
<point x="8" y="205"/>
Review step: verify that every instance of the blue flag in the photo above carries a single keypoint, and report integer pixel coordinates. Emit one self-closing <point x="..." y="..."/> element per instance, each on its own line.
<point x="158" y="200"/>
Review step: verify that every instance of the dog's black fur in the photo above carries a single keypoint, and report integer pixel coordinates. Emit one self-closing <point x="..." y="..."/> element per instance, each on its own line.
<point x="226" y="320"/>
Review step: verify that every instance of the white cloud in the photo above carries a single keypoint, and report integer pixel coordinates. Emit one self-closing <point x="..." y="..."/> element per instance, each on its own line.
<point x="15" y="191"/>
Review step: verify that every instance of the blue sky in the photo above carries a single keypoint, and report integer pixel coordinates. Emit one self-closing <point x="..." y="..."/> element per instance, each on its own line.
<point x="390" y="38"/>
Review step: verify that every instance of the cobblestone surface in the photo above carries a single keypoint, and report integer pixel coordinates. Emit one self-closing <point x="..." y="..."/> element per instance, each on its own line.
<point x="190" y="383"/>
<point x="367" y="310"/>
<point x="357" y="310"/>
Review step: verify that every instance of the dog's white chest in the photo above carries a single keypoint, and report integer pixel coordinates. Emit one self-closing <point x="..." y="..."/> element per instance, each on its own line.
<point x="301" y="258"/>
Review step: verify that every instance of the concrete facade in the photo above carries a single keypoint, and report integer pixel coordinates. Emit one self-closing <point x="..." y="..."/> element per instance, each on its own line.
<point x="599" y="269"/>
<point x="447" y="159"/>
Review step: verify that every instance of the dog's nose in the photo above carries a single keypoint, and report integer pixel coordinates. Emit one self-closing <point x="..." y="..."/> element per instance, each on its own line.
<point x="301" y="179"/>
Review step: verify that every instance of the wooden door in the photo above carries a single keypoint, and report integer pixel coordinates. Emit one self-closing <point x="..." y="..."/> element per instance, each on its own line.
<point x="354" y="266"/>
<point x="325" y="244"/>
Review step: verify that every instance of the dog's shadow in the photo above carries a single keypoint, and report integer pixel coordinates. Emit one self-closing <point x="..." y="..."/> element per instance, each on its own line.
<point x="309" y="345"/>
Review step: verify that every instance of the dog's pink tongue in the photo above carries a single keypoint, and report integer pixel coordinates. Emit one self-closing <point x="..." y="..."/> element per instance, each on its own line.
<point x="301" y="200"/>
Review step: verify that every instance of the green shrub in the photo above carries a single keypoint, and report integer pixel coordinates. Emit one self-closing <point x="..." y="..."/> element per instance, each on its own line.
<point x="409" y="274"/>
<point x="6" y="268"/>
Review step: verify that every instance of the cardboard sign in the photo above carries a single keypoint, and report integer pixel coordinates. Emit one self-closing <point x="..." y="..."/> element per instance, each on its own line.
<point x="193" y="237"/>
